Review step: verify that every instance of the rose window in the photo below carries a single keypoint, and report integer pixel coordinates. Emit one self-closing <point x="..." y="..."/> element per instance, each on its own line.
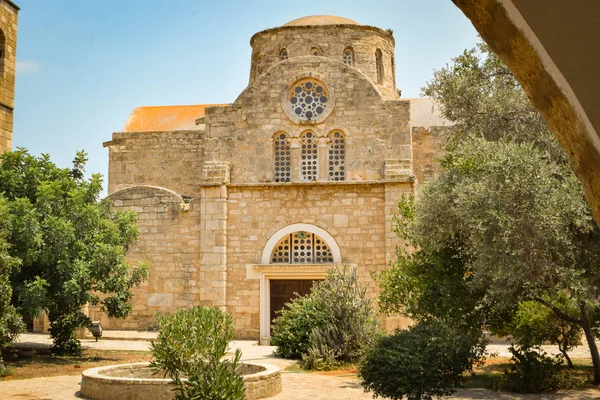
<point x="301" y="248"/>
<point x="308" y="99"/>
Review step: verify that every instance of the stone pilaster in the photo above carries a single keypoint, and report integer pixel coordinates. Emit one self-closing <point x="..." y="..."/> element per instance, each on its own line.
<point x="322" y="157"/>
<point x="213" y="234"/>
<point x="295" y="159"/>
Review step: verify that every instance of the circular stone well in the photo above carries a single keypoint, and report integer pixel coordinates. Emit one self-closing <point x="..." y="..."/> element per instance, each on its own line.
<point x="135" y="382"/>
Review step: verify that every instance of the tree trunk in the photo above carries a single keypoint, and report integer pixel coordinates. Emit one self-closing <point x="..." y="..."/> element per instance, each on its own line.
<point x="589" y="336"/>
<point x="564" y="353"/>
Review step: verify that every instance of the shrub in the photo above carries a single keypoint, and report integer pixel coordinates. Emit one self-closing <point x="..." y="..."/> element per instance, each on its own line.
<point x="349" y="328"/>
<point x="424" y="361"/>
<point x="191" y="344"/>
<point x="334" y="324"/>
<point x="292" y="328"/>
<point x="532" y="370"/>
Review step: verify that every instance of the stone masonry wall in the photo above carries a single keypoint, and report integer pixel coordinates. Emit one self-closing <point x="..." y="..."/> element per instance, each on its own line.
<point x="428" y="146"/>
<point x="375" y="129"/>
<point x="354" y="214"/>
<point x="8" y="25"/>
<point x="331" y="40"/>
<point x="169" y="244"/>
<point x="172" y="160"/>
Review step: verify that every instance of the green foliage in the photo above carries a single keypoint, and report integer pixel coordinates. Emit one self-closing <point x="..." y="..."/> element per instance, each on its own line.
<point x="532" y="370"/>
<point x="535" y="324"/>
<point x="349" y="328"/>
<point x="192" y="344"/>
<point x="333" y="325"/>
<point x="505" y="223"/>
<point x="291" y="329"/>
<point x="11" y="324"/>
<point x="424" y="361"/>
<point x="479" y="94"/>
<point x="70" y="249"/>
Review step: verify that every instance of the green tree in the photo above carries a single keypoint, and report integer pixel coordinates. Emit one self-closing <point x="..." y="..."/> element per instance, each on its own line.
<point x="534" y="324"/>
<point x="69" y="246"/>
<point x="525" y="227"/>
<point x="506" y="222"/>
<point x="11" y="323"/>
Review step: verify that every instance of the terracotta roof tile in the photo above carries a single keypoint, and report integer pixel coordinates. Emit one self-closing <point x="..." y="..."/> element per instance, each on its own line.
<point x="165" y="118"/>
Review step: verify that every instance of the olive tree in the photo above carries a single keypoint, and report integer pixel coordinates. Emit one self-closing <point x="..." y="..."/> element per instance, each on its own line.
<point x="506" y="222"/>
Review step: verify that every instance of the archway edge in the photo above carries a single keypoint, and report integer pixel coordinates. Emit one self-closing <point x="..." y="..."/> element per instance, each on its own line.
<point x="301" y="227"/>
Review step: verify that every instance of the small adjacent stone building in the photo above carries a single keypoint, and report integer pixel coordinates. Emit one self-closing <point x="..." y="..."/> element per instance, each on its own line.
<point x="8" y="46"/>
<point x="241" y="205"/>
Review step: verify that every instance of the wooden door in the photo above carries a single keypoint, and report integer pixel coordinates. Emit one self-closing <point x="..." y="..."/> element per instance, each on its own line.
<point x="283" y="290"/>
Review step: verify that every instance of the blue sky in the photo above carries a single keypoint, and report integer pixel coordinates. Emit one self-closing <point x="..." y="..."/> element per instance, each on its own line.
<point x="84" y="65"/>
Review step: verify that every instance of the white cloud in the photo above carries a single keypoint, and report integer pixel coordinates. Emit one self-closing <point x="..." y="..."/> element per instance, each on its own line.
<point x="28" y="67"/>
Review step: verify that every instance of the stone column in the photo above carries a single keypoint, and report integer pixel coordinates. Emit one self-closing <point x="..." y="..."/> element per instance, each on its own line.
<point x="295" y="159"/>
<point x="213" y="234"/>
<point x="323" y="158"/>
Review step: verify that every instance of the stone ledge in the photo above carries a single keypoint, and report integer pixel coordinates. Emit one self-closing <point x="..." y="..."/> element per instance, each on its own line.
<point x="316" y="183"/>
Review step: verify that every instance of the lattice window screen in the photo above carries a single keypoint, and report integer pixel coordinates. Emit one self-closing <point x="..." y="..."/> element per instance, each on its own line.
<point x="283" y="170"/>
<point x="337" y="156"/>
<point x="309" y="157"/>
<point x="301" y="248"/>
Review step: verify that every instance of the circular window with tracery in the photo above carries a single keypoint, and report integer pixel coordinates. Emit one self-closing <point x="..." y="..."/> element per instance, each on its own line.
<point x="308" y="99"/>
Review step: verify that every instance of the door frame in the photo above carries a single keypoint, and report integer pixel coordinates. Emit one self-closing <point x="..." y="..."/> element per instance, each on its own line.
<point x="282" y="272"/>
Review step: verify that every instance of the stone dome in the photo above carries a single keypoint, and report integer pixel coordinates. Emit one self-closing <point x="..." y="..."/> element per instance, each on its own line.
<point x="321" y="20"/>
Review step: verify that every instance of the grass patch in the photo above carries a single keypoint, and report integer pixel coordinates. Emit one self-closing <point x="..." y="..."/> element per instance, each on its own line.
<point x="491" y="375"/>
<point x="49" y="365"/>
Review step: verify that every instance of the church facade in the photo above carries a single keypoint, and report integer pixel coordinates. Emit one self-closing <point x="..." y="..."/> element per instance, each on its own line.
<point x="240" y="205"/>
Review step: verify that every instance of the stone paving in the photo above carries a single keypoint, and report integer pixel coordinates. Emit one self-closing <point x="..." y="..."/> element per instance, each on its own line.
<point x="296" y="386"/>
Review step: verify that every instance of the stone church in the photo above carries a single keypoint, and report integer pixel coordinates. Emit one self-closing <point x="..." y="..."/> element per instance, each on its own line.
<point x="242" y="205"/>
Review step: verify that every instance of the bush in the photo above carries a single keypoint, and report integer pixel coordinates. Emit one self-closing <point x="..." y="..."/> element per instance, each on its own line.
<point x="334" y="324"/>
<point x="349" y="328"/>
<point x="191" y="344"/>
<point x="532" y="370"/>
<point x="291" y="330"/>
<point x="424" y="361"/>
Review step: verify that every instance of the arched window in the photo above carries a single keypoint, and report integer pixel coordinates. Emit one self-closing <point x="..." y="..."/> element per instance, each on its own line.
<point x="349" y="56"/>
<point x="315" y="52"/>
<point x="282" y="159"/>
<point x="301" y="248"/>
<point x="379" y="66"/>
<point x="309" y="156"/>
<point x="283" y="54"/>
<point x="337" y="156"/>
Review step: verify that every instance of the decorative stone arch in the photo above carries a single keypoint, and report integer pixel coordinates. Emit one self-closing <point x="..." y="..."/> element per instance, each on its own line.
<point x="266" y="271"/>
<point x="280" y="234"/>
